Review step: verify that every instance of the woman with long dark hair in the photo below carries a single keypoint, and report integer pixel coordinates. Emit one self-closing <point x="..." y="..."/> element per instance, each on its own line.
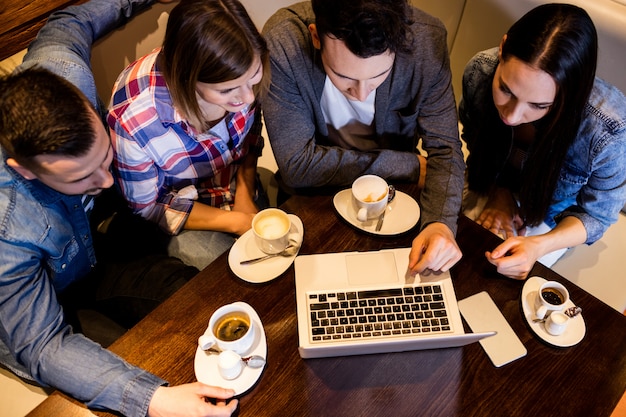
<point x="546" y="139"/>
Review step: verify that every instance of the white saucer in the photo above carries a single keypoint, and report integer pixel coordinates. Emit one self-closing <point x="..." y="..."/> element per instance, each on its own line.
<point x="402" y="214"/>
<point x="575" y="330"/>
<point x="205" y="363"/>
<point x="245" y="248"/>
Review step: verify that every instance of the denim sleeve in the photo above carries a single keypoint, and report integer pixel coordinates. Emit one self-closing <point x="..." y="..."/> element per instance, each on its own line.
<point x="602" y="196"/>
<point x="63" y="45"/>
<point x="44" y="346"/>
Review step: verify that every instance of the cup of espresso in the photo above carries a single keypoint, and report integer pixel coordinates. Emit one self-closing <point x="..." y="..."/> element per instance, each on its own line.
<point x="369" y="197"/>
<point x="230" y="328"/>
<point x="551" y="296"/>
<point x="272" y="231"/>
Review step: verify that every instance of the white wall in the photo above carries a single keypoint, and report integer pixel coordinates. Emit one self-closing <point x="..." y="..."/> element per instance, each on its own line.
<point x="485" y="21"/>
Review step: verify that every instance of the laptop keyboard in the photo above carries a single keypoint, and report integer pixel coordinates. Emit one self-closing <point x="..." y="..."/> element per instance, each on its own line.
<point x="378" y="314"/>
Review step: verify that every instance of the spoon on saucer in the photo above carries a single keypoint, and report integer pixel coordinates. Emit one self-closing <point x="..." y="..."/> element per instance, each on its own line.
<point x="570" y="312"/>
<point x="381" y="218"/>
<point x="288" y="251"/>
<point x="253" y="361"/>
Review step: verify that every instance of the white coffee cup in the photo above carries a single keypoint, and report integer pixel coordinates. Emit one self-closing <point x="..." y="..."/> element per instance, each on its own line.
<point x="556" y="323"/>
<point x="551" y="297"/>
<point x="369" y="197"/>
<point x="272" y="231"/>
<point x="230" y="328"/>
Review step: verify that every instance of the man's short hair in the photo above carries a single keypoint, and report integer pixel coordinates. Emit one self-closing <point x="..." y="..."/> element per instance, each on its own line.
<point x="367" y="27"/>
<point x="43" y="114"/>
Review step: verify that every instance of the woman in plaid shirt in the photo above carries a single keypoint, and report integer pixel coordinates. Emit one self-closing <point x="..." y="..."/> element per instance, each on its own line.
<point x="186" y="128"/>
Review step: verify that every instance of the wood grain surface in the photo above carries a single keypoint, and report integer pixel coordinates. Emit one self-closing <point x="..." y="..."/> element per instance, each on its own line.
<point x="585" y="380"/>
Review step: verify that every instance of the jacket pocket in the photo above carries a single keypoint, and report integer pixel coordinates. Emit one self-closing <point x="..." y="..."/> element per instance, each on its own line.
<point x="59" y="264"/>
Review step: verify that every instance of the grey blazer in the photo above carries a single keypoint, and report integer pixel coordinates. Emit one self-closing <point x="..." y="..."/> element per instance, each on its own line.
<point x="415" y="102"/>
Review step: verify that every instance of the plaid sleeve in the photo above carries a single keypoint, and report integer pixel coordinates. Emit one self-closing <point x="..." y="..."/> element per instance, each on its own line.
<point x="142" y="181"/>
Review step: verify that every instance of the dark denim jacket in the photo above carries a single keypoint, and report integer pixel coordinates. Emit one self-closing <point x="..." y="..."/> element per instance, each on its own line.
<point x="592" y="183"/>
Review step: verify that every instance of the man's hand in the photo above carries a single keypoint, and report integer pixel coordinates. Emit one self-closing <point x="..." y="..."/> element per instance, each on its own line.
<point x="192" y="400"/>
<point x="434" y="250"/>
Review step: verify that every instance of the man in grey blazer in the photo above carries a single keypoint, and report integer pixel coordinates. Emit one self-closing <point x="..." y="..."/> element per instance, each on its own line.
<point x="355" y="85"/>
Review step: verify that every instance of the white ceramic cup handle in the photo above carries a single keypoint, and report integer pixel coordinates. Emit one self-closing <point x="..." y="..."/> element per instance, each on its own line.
<point x="206" y="342"/>
<point x="541" y="312"/>
<point x="362" y="214"/>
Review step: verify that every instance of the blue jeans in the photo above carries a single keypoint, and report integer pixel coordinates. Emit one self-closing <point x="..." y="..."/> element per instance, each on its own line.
<point x="201" y="247"/>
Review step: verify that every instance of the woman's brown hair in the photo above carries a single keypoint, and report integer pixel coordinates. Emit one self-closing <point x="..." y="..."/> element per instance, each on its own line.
<point x="209" y="41"/>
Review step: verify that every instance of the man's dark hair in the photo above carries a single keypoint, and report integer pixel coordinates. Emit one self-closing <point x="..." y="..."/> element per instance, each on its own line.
<point x="367" y="27"/>
<point x="43" y="114"/>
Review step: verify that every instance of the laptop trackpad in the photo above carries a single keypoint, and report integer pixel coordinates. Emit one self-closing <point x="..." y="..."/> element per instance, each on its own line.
<point x="371" y="268"/>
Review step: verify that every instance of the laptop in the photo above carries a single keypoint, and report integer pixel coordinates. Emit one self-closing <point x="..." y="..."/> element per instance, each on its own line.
<point x="355" y="303"/>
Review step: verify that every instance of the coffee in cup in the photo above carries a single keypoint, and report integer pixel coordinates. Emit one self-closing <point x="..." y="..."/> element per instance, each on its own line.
<point x="230" y="328"/>
<point x="551" y="296"/>
<point x="272" y="231"/>
<point x="369" y="197"/>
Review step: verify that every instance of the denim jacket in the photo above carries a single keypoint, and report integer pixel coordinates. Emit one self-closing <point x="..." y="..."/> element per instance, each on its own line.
<point x="46" y="244"/>
<point x="592" y="182"/>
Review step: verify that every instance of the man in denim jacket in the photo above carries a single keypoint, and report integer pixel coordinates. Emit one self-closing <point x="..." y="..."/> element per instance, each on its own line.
<point x="46" y="246"/>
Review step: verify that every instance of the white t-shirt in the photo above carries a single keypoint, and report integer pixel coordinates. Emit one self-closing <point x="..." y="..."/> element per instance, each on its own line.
<point x="350" y="122"/>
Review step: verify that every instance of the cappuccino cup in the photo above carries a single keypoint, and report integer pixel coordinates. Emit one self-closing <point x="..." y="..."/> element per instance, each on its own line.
<point x="369" y="197"/>
<point x="272" y="231"/>
<point x="551" y="297"/>
<point x="230" y="328"/>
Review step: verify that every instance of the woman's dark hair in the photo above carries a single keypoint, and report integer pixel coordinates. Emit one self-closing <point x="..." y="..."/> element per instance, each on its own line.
<point x="561" y="40"/>
<point x="43" y="114"/>
<point x="209" y="41"/>
<point x="367" y="27"/>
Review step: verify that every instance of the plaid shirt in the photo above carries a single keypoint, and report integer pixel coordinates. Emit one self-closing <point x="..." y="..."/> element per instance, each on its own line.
<point x="158" y="154"/>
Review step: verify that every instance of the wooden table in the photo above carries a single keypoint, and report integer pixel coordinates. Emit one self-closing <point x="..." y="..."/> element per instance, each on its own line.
<point x="585" y="380"/>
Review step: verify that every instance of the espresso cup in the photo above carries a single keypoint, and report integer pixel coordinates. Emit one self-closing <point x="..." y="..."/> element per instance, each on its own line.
<point x="369" y="197"/>
<point x="230" y="328"/>
<point x="556" y="323"/>
<point x="551" y="296"/>
<point x="272" y="231"/>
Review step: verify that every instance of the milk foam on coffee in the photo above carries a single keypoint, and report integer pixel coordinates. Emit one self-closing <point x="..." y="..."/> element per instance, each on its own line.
<point x="271" y="226"/>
